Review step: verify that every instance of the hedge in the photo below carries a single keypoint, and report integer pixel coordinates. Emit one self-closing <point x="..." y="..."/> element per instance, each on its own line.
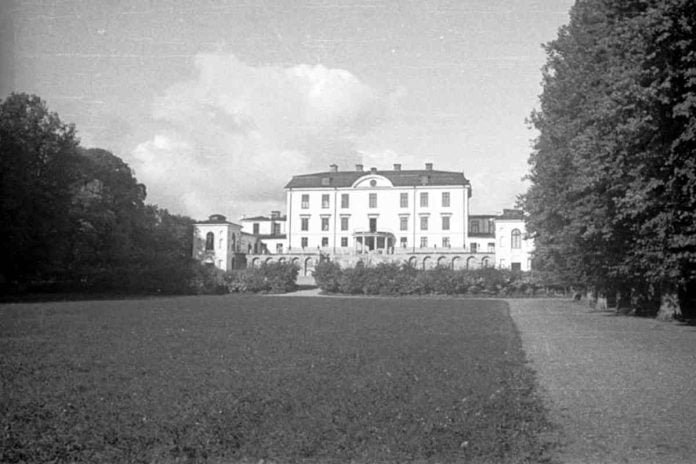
<point x="394" y="279"/>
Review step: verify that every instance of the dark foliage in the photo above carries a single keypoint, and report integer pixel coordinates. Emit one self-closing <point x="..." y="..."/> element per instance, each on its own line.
<point x="612" y="203"/>
<point x="74" y="219"/>
<point x="268" y="278"/>
<point x="392" y="279"/>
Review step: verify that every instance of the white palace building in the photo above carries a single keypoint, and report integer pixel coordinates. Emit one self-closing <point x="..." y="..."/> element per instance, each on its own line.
<point x="417" y="217"/>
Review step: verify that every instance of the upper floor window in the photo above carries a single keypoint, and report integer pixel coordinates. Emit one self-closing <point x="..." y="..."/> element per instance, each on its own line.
<point x="403" y="200"/>
<point x="209" y="241"/>
<point x="304" y="223"/>
<point x="373" y="200"/>
<point x="403" y="223"/>
<point x="305" y="201"/>
<point x="344" y="223"/>
<point x="424" y="223"/>
<point x="345" y="200"/>
<point x="445" y="223"/>
<point x="424" y="199"/>
<point x="474" y="227"/>
<point x="325" y="201"/>
<point x="491" y="247"/>
<point x="473" y="247"/>
<point x="276" y="228"/>
<point x="325" y="181"/>
<point x="324" y="223"/>
<point x="256" y="228"/>
<point x="445" y="199"/>
<point x="516" y="238"/>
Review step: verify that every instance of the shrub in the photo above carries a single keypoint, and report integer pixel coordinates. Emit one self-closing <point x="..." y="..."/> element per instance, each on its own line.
<point x="271" y="277"/>
<point x="328" y="276"/>
<point x="207" y="280"/>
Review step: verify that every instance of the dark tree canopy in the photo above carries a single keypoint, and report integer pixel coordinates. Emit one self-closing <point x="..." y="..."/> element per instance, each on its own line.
<point x="613" y="197"/>
<point x="77" y="217"/>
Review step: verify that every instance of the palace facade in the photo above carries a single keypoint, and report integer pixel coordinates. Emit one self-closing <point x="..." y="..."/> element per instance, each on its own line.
<point x="420" y="217"/>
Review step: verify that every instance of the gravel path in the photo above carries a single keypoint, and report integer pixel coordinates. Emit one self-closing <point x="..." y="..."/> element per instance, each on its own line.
<point x="623" y="389"/>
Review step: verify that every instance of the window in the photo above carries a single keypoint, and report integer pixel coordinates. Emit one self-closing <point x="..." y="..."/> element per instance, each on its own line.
<point x="373" y="200"/>
<point x="345" y="200"/>
<point x="256" y="228"/>
<point x="445" y="242"/>
<point x="516" y="239"/>
<point x="404" y="200"/>
<point x="344" y="223"/>
<point x="324" y="223"/>
<point x="279" y="247"/>
<point x="445" y="199"/>
<point x="303" y="242"/>
<point x="305" y="201"/>
<point x="373" y="224"/>
<point x="491" y="247"/>
<point x="474" y="227"/>
<point x="304" y="223"/>
<point x="473" y="247"/>
<point x="424" y="242"/>
<point x="445" y="223"/>
<point x="325" y="241"/>
<point x="424" y="199"/>
<point x="325" y="181"/>
<point x="209" y="241"/>
<point x="424" y="223"/>
<point x="325" y="201"/>
<point x="502" y="264"/>
<point x="403" y="223"/>
<point x="516" y="267"/>
<point x="276" y="228"/>
<point x="344" y="242"/>
<point x="404" y="242"/>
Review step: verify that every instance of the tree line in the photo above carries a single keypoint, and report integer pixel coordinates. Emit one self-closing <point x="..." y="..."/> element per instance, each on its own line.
<point x="612" y="201"/>
<point x="75" y="219"/>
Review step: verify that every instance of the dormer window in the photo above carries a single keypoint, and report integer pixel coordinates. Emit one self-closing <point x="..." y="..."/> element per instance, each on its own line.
<point x="325" y="181"/>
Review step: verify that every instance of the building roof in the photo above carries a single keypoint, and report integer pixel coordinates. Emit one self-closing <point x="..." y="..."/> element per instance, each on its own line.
<point x="400" y="178"/>
<point x="264" y="218"/>
<point x="217" y="219"/>
<point x="511" y="214"/>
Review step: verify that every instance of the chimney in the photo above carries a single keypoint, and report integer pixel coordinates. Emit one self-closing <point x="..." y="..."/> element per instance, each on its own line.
<point x="359" y="167"/>
<point x="428" y="166"/>
<point x="373" y="170"/>
<point x="333" y="167"/>
<point x="397" y="167"/>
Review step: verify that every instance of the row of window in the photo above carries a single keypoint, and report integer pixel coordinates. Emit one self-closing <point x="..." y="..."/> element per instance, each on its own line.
<point x="372" y="200"/>
<point x="403" y="223"/>
<point x="403" y="242"/>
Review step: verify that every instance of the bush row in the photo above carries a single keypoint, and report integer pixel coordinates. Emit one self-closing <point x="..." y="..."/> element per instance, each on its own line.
<point x="394" y="279"/>
<point x="269" y="278"/>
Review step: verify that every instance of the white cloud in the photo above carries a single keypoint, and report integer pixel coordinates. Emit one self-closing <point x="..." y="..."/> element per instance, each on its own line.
<point x="230" y="139"/>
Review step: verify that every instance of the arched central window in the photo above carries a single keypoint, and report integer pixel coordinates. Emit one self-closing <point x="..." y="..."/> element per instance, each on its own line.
<point x="209" y="241"/>
<point x="516" y="238"/>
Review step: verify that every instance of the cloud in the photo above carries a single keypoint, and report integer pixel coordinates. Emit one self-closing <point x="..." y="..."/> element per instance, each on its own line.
<point x="229" y="139"/>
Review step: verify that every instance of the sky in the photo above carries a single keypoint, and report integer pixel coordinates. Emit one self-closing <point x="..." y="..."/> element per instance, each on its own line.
<point x="217" y="104"/>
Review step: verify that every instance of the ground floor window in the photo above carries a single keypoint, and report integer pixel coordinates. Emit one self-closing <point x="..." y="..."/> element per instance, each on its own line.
<point x="279" y="247"/>
<point x="404" y="242"/>
<point x="516" y="266"/>
<point x="445" y="242"/>
<point x="491" y="247"/>
<point x="304" y="242"/>
<point x="325" y="241"/>
<point x="473" y="247"/>
<point x="344" y="242"/>
<point x="424" y="242"/>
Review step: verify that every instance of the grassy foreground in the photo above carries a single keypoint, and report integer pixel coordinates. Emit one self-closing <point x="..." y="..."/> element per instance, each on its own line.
<point x="243" y="378"/>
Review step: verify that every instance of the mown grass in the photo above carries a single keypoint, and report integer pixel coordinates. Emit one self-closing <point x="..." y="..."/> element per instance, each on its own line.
<point x="244" y="378"/>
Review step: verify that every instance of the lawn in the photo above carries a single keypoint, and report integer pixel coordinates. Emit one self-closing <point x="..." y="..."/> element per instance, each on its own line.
<point x="243" y="378"/>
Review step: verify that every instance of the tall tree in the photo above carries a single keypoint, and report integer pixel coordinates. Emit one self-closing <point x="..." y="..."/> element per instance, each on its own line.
<point x="38" y="164"/>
